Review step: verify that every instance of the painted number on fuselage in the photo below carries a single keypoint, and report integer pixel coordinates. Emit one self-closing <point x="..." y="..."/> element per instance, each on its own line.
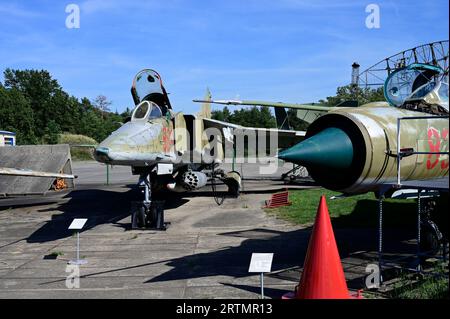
<point x="434" y="142"/>
<point x="167" y="140"/>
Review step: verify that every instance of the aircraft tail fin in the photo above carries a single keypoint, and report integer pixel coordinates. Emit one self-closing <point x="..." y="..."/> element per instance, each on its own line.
<point x="282" y="118"/>
<point x="205" y="110"/>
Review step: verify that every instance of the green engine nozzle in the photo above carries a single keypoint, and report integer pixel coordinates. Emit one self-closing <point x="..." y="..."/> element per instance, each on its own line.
<point x="330" y="148"/>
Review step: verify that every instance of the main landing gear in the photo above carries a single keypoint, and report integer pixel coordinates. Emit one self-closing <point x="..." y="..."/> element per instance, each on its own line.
<point x="431" y="237"/>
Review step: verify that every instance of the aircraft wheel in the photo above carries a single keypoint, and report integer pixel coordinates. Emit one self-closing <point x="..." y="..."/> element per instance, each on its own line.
<point x="430" y="238"/>
<point x="152" y="215"/>
<point x="141" y="217"/>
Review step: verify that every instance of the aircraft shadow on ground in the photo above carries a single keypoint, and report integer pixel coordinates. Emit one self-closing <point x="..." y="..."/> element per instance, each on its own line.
<point x="289" y="247"/>
<point x="289" y="250"/>
<point x="223" y="190"/>
<point x="9" y="204"/>
<point x="98" y="205"/>
<point x="355" y="233"/>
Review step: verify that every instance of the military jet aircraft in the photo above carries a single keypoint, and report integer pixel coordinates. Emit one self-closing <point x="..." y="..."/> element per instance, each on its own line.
<point x="354" y="149"/>
<point x="170" y="150"/>
<point x="380" y="145"/>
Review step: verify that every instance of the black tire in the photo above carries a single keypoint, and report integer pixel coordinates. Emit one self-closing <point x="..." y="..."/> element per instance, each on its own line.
<point x="233" y="190"/>
<point x="430" y="242"/>
<point x="152" y="215"/>
<point x="141" y="217"/>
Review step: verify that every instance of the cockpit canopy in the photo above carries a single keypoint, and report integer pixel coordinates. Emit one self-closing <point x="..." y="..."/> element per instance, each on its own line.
<point x="403" y="82"/>
<point x="433" y="92"/>
<point x="146" y="111"/>
<point x="147" y="86"/>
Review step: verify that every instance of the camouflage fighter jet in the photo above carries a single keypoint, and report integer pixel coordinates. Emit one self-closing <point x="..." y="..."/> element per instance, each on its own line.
<point x="170" y="150"/>
<point x="354" y="149"/>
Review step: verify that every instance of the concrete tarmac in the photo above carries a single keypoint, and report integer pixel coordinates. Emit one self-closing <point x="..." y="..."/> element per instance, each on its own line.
<point x="205" y="252"/>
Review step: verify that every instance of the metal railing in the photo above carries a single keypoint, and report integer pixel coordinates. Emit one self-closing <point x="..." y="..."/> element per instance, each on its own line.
<point x="400" y="154"/>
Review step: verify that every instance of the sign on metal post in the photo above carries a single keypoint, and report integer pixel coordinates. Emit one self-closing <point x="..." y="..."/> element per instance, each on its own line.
<point x="261" y="263"/>
<point x="77" y="224"/>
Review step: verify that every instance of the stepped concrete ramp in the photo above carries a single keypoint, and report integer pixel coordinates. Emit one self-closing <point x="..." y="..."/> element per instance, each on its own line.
<point x="42" y="158"/>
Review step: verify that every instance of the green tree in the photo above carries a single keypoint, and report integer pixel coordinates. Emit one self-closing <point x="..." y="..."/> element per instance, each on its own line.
<point x="125" y="114"/>
<point x="296" y="123"/>
<point x="52" y="131"/>
<point x="221" y="115"/>
<point x="354" y="92"/>
<point x="101" y="102"/>
<point x="34" y="105"/>
<point x="44" y="93"/>
<point x="16" y="115"/>
<point x="91" y="121"/>
<point x="253" y="117"/>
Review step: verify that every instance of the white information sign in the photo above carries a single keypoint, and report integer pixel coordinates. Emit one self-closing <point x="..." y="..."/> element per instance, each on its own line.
<point x="261" y="262"/>
<point x="78" y="223"/>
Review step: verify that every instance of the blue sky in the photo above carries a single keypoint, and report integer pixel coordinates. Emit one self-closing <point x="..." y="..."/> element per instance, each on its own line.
<point x="284" y="50"/>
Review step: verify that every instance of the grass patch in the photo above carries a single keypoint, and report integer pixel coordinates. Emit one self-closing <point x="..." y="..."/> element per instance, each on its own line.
<point x="431" y="286"/>
<point x="353" y="211"/>
<point x="78" y="153"/>
<point x="81" y="153"/>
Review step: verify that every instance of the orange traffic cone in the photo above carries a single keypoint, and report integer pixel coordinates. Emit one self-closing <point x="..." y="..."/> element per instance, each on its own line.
<point x="323" y="276"/>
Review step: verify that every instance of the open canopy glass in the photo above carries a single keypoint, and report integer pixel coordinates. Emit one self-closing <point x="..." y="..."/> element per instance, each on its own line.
<point x="147" y="86"/>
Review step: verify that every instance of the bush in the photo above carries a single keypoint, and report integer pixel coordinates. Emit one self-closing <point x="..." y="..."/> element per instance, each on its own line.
<point x="80" y="146"/>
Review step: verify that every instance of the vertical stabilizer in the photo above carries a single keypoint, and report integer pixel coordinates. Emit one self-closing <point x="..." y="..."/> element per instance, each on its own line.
<point x="205" y="110"/>
<point x="282" y="118"/>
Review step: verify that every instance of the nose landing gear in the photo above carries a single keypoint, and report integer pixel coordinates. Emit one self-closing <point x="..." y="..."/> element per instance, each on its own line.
<point x="147" y="214"/>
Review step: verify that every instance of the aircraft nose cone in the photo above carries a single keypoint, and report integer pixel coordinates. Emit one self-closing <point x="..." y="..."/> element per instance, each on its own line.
<point x="330" y="148"/>
<point x="101" y="154"/>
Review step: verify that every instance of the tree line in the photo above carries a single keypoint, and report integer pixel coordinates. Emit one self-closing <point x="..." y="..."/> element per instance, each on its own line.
<point x="38" y="110"/>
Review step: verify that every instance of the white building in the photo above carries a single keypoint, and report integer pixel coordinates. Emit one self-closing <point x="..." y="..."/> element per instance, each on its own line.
<point x="7" y="138"/>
